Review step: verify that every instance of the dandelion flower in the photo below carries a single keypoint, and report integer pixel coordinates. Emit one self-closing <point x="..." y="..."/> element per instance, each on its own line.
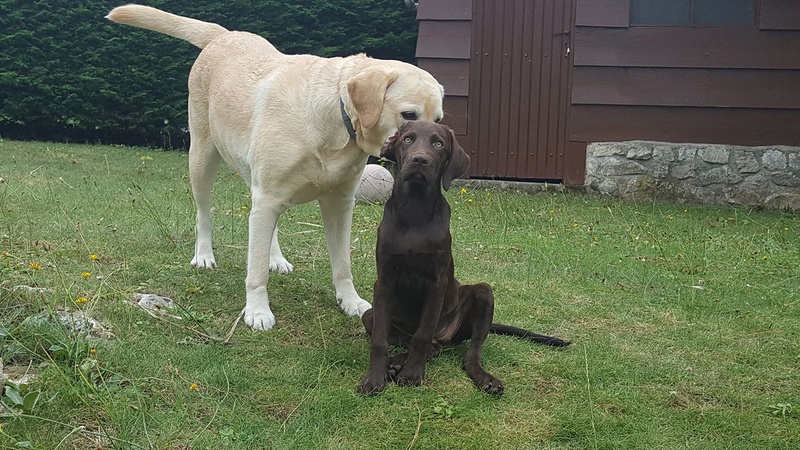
<point x="194" y="387"/>
<point x="81" y="300"/>
<point x="86" y="275"/>
<point x="463" y="190"/>
<point x="93" y="257"/>
<point x="469" y="200"/>
<point x="93" y="352"/>
<point x="35" y="266"/>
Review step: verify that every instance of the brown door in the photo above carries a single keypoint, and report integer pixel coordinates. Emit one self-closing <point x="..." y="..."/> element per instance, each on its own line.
<point x="519" y="88"/>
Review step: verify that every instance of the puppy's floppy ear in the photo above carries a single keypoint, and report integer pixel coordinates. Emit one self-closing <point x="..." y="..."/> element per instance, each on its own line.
<point x="388" y="151"/>
<point x="458" y="163"/>
<point x="367" y="91"/>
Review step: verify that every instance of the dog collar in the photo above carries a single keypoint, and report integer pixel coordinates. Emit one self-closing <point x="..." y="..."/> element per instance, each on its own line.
<point x="347" y="122"/>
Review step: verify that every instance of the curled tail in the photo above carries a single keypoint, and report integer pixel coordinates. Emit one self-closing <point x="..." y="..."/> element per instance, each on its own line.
<point x="508" y="330"/>
<point x="195" y="31"/>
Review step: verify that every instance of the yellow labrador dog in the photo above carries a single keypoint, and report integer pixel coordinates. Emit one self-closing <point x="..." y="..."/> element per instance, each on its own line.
<point x="296" y="127"/>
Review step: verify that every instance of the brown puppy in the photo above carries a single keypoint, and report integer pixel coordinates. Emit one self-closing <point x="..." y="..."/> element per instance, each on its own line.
<point x="417" y="301"/>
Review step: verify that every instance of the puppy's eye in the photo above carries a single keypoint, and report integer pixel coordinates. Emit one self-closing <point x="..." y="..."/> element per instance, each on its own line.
<point x="409" y="115"/>
<point x="438" y="144"/>
<point x="407" y="140"/>
<point x="438" y="119"/>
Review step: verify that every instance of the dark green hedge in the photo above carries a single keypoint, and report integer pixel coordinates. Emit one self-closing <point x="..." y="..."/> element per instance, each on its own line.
<point x="66" y="73"/>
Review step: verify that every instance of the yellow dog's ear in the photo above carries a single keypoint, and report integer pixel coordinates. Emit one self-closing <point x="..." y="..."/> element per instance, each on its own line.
<point x="367" y="91"/>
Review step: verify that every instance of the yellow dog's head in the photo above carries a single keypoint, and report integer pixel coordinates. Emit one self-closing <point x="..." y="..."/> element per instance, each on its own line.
<point x="384" y="94"/>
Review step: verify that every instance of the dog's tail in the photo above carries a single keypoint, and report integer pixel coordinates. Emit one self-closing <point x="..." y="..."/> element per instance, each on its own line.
<point x="195" y="31"/>
<point x="508" y="330"/>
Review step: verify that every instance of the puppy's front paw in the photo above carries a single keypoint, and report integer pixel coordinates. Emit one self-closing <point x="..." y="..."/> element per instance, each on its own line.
<point x="259" y="320"/>
<point x="410" y="377"/>
<point x="280" y="265"/>
<point x="370" y="386"/>
<point x="396" y="365"/>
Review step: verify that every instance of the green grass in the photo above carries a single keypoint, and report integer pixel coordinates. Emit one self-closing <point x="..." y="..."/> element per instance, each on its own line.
<point x="685" y="320"/>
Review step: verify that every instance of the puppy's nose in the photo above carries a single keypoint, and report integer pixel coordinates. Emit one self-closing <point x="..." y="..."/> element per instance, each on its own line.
<point x="421" y="158"/>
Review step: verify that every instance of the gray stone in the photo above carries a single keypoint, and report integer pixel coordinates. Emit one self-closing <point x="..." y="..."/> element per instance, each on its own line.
<point x="685" y="153"/>
<point x="684" y="171"/>
<point x="153" y="301"/>
<point x="631" y="188"/>
<point x="774" y="159"/>
<point x="608" y="187"/>
<point x="794" y="160"/>
<point x="641" y="153"/>
<point x="717" y="175"/>
<point x="664" y="153"/>
<point x="616" y="167"/>
<point x="746" y="162"/>
<point x="783" y="200"/>
<point x="715" y="155"/>
<point x="601" y="149"/>
<point x="659" y="169"/>
<point x="747" y="194"/>
<point x="784" y="178"/>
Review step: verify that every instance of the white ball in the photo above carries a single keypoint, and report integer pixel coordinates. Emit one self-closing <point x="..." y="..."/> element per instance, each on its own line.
<point x="375" y="185"/>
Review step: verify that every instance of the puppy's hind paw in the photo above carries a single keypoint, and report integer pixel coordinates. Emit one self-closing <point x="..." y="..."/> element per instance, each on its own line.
<point x="491" y="385"/>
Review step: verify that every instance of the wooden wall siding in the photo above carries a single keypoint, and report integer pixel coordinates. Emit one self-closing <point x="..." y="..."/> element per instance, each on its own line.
<point x="444" y="39"/>
<point x="700" y="47"/>
<point x="733" y="126"/>
<point x="602" y="13"/>
<point x="519" y="93"/>
<point x="444" y="10"/>
<point x="780" y="15"/>
<point x="453" y="74"/>
<point x="726" y="85"/>
<point x="443" y="49"/>
<point x="738" y="88"/>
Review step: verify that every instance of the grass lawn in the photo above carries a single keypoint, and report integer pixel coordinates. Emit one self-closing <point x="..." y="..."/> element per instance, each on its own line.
<point x="685" y="321"/>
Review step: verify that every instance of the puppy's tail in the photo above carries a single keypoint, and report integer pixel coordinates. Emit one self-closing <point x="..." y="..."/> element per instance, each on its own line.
<point x="195" y="31"/>
<point x="508" y="330"/>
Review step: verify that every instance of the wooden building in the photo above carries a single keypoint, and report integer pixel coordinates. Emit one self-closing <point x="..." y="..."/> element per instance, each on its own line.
<point x="529" y="83"/>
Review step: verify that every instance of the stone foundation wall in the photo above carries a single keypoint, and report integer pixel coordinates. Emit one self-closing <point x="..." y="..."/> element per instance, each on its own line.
<point x="696" y="173"/>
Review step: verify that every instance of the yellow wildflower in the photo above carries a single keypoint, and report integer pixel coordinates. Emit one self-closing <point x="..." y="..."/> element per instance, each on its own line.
<point x="93" y="257"/>
<point x="194" y="387"/>
<point x="86" y="275"/>
<point x="146" y="158"/>
<point x="93" y="352"/>
<point x="35" y="266"/>
<point x="81" y="300"/>
<point x="463" y="190"/>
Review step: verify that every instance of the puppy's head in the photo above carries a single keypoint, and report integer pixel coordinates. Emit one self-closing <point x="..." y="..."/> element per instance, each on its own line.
<point x="426" y="153"/>
<point x="384" y="94"/>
